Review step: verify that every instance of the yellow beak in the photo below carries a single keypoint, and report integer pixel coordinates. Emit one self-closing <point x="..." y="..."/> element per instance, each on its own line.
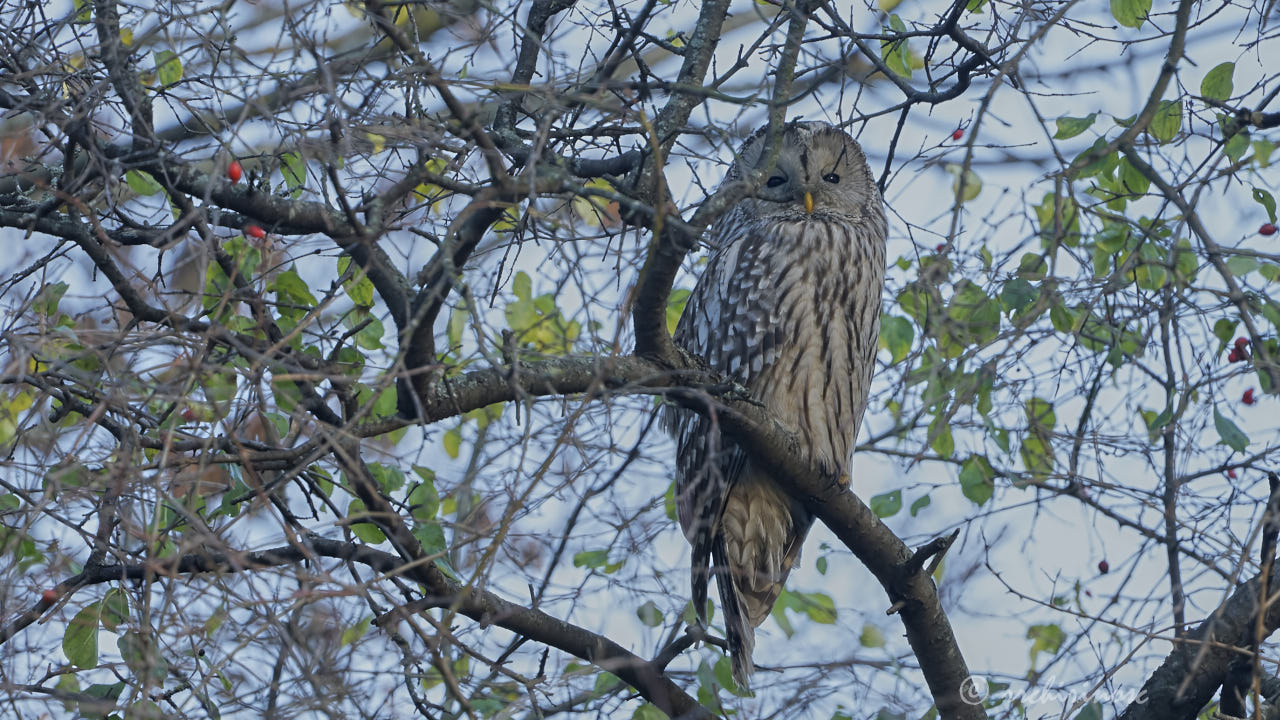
<point x="808" y="202"/>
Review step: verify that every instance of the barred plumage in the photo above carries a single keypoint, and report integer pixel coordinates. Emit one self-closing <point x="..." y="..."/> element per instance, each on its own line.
<point x="789" y="307"/>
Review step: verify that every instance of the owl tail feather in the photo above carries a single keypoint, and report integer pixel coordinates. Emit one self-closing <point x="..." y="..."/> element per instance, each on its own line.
<point x="738" y="630"/>
<point x="701" y="573"/>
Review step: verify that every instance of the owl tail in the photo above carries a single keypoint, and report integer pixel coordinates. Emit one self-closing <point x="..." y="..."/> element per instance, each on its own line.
<point x="739" y="631"/>
<point x="701" y="572"/>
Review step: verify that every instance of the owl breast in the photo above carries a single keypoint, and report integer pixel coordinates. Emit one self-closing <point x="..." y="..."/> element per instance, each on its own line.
<point x="821" y="282"/>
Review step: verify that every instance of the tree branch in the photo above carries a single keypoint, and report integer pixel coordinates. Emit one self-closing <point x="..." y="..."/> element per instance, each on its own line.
<point x="1189" y="676"/>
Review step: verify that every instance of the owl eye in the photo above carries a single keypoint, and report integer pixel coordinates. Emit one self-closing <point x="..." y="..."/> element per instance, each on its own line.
<point x="775" y="181"/>
<point x="831" y="178"/>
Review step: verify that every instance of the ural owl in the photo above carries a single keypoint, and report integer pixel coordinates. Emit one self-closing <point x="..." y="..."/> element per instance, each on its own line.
<point x="789" y="307"/>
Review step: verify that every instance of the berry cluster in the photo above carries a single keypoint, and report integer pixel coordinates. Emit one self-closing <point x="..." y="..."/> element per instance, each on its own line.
<point x="1239" y="353"/>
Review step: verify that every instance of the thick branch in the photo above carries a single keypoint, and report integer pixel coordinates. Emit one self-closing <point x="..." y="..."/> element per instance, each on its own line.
<point x="1189" y="676"/>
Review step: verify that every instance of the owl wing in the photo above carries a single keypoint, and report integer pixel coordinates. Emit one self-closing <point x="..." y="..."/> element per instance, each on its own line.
<point x="730" y="321"/>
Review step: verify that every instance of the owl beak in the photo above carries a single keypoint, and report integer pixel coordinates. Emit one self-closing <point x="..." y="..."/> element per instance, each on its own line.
<point x="808" y="202"/>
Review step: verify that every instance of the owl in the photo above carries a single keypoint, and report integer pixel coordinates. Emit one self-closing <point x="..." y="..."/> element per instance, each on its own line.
<point x="789" y="308"/>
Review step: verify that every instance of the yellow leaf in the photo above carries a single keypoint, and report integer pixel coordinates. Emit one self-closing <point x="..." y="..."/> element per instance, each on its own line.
<point x="379" y="142"/>
<point x="429" y="191"/>
<point x="593" y="209"/>
<point x="510" y="218"/>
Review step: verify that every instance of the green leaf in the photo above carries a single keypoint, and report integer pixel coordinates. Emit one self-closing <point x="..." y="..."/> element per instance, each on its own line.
<point x="1217" y="84"/>
<point x="424" y="499"/>
<point x="919" y="504"/>
<point x="648" y="712"/>
<point x="977" y="479"/>
<point x="1069" y="127"/>
<point x="453" y="442"/>
<point x="355" y="632"/>
<point x="292" y="290"/>
<point x="1045" y="639"/>
<point x="1130" y="13"/>
<point x="431" y="536"/>
<point x="1224" y="331"/>
<point x="1241" y="265"/>
<point x="966" y="184"/>
<point x="675" y="307"/>
<point x="1040" y="414"/>
<point x="1263" y="198"/>
<point x="522" y="286"/>
<point x="1017" y="294"/>
<point x="294" y="171"/>
<point x="220" y="387"/>
<point x="1152" y="272"/>
<point x="110" y="693"/>
<point x="142" y="182"/>
<point x="605" y="682"/>
<point x="669" y="502"/>
<point x="1167" y="121"/>
<point x="973" y="319"/>
<point x="818" y="607"/>
<point x="1155" y="422"/>
<point x="896" y="334"/>
<point x="1032" y="266"/>
<point x="1131" y="179"/>
<point x="80" y="644"/>
<point x="940" y="438"/>
<point x="371" y="330"/>
<point x="1262" y="150"/>
<point x="1037" y="446"/>
<point x="895" y="53"/>
<point x="886" y="504"/>
<point x="724" y="677"/>
<point x="46" y="302"/>
<point x="361" y="526"/>
<point x="591" y="558"/>
<point x="139" y="652"/>
<point x="1230" y="433"/>
<point x="168" y="68"/>
<point x="871" y="636"/>
<point x="115" y="609"/>
<point x="1058" y="219"/>
<point x="389" y="477"/>
<point x="1237" y="146"/>
<point x="649" y="614"/>
<point x="358" y="286"/>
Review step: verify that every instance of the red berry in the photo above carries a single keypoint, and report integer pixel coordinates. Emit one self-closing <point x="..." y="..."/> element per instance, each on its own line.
<point x="1234" y="355"/>
<point x="1242" y="343"/>
<point x="255" y="232"/>
<point x="1248" y="398"/>
<point x="959" y="133"/>
<point x="1231" y="473"/>
<point x="188" y="414"/>
<point x="1267" y="229"/>
<point x="940" y="247"/>
<point x="49" y="597"/>
<point x="1104" y="567"/>
<point x="234" y="171"/>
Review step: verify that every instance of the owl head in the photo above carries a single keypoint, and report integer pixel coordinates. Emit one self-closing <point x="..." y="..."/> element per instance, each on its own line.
<point x="820" y="171"/>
